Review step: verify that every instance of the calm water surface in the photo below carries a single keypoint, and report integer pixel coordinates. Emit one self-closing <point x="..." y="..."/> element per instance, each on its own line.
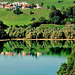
<point x="32" y="58"/>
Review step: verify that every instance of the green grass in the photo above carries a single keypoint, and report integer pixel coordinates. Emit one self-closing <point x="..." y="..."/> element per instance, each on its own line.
<point x="9" y="18"/>
<point x="43" y="26"/>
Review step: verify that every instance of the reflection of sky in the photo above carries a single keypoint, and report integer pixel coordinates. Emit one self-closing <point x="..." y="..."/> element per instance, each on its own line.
<point x="29" y="65"/>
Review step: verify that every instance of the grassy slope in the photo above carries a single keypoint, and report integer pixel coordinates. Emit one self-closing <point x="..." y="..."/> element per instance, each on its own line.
<point x="42" y="26"/>
<point x="11" y="19"/>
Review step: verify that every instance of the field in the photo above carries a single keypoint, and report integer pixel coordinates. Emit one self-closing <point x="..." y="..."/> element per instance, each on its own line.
<point x="42" y="26"/>
<point x="9" y="18"/>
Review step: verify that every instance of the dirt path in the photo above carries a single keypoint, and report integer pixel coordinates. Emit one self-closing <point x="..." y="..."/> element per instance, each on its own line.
<point x="32" y="39"/>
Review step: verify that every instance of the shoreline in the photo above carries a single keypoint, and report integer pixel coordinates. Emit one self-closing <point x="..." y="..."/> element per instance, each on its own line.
<point x="35" y="39"/>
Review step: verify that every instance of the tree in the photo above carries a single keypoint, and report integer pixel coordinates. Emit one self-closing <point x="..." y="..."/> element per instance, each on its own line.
<point x="31" y="12"/>
<point x="42" y="19"/>
<point x="17" y="11"/>
<point x="42" y="4"/>
<point x="56" y="19"/>
<point x="53" y="7"/>
<point x="48" y="7"/>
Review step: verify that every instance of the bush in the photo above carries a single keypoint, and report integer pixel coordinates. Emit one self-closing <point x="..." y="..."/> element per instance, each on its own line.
<point x="56" y="19"/>
<point x="1" y="23"/>
<point x="31" y="12"/>
<point x="42" y="19"/>
<point x="62" y="22"/>
<point x="60" y="1"/>
<point x="48" y="21"/>
<point x="35" y="24"/>
<point x="48" y="7"/>
<point x="42" y="4"/>
<point x="73" y="21"/>
<point x="17" y="11"/>
<point x="73" y="1"/>
<point x="33" y="19"/>
<point x="53" y="7"/>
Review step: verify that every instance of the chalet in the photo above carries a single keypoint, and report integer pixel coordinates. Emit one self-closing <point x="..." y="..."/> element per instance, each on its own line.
<point x="8" y="6"/>
<point x="16" y="3"/>
<point x="1" y="6"/>
<point x="38" y="6"/>
<point x="24" y="3"/>
<point x="5" y="3"/>
<point x="25" y="6"/>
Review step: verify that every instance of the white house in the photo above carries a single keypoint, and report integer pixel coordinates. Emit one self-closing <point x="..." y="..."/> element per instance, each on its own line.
<point x="38" y="6"/>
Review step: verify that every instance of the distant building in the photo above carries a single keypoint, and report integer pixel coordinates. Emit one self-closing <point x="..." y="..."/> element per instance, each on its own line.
<point x="38" y="6"/>
<point x="1" y="6"/>
<point x="16" y="3"/>
<point x="25" y="6"/>
<point x="5" y="3"/>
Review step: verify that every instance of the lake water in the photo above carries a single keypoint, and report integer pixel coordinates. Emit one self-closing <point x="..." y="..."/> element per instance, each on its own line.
<point x="33" y="57"/>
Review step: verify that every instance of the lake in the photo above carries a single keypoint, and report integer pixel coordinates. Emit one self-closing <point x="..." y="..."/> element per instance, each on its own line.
<point x="33" y="57"/>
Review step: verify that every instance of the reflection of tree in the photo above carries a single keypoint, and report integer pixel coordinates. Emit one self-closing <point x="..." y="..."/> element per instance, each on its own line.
<point x="1" y="46"/>
<point x="45" y="47"/>
<point x="69" y="67"/>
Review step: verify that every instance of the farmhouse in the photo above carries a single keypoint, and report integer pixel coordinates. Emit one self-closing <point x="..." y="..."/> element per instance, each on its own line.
<point x="23" y="5"/>
<point x="1" y="6"/>
<point x="26" y="6"/>
<point x="38" y="6"/>
<point x="16" y="3"/>
<point x="5" y="3"/>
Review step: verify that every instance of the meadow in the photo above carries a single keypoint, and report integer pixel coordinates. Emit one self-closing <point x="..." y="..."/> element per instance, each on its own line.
<point x="9" y="18"/>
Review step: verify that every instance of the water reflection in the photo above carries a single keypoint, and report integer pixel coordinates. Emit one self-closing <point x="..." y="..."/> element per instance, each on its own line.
<point x="21" y="56"/>
<point x="36" y="48"/>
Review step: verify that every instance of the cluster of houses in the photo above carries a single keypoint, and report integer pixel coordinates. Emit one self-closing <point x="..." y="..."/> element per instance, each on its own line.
<point x="23" y="5"/>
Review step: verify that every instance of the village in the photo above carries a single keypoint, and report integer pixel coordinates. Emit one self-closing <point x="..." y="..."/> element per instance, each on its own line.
<point x="22" y="5"/>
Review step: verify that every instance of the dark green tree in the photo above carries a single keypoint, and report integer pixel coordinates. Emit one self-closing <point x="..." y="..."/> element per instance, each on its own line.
<point x="48" y="7"/>
<point x="53" y="7"/>
<point x="17" y="11"/>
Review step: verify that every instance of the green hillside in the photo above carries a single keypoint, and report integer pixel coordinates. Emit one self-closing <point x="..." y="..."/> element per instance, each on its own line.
<point x="9" y="18"/>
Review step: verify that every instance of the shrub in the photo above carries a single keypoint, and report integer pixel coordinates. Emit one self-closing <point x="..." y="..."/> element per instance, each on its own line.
<point x="48" y="21"/>
<point x="42" y="19"/>
<point x="1" y="23"/>
<point x="60" y="1"/>
<point x="31" y="12"/>
<point x="73" y="1"/>
<point x="33" y="19"/>
<point x="53" y="7"/>
<point x="56" y="19"/>
<point x="42" y="4"/>
<point x="17" y="11"/>
<point x="62" y="22"/>
<point x="48" y="7"/>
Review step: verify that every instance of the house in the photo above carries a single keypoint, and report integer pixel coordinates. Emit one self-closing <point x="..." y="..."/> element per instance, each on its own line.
<point x="1" y="6"/>
<point x="16" y="3"/>
<point x="8" y="5"/>
<point x="24" y="3"/>
<point x="38" y="6"/>
<point x="26" y="6"/>
<point x="5" y="3"/>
